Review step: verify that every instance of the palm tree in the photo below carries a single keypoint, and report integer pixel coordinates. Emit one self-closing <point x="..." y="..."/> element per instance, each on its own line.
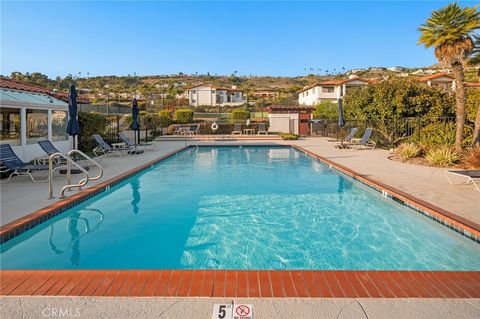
<point x="475" y="60"/>
<point x="449" y="30"/>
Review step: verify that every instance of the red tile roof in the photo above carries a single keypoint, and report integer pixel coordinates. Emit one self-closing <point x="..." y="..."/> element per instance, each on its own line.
<point x="22" y="86"/>
<point x="336" y="82"/>
<point x="472" y="85"/>
<point x="435" y="76"/>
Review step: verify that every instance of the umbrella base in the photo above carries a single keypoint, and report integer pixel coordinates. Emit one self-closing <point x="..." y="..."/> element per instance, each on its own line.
<point x="136" y="151"/>
<point x="73" y="170"/>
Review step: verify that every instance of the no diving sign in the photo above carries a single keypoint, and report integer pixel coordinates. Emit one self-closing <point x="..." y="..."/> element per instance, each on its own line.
<point x="235" y="311"/>
<point x="242" y="311"/>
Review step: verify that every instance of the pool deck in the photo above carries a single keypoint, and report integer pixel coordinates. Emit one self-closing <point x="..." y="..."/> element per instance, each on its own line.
<point x="21" y="197"/>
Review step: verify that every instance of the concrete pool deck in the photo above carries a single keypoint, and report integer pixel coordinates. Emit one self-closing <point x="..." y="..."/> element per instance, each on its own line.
<point x="266" y="308"/>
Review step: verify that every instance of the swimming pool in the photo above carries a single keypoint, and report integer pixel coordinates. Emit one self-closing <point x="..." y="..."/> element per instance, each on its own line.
<point x="240" y="208"/>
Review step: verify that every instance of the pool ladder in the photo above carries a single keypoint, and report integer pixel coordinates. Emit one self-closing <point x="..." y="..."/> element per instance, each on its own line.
<point x="69" y="163"/>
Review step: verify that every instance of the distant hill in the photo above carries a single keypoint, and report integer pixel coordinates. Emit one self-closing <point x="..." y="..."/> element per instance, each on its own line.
<point x="170" y="86"/>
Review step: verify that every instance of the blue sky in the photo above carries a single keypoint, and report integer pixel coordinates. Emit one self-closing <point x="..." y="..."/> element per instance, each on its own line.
<point x="262" y="38"/>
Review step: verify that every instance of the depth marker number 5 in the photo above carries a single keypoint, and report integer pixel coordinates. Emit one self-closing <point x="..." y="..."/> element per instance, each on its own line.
<point x="222" y="311"/>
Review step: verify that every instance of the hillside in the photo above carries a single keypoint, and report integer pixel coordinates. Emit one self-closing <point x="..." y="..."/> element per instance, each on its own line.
<point x="121" y="88"/>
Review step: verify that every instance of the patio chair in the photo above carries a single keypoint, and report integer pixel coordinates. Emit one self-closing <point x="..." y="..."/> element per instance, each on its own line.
<point x="50" y="149"/>
<point x="104" y="149"/>
<point x="194" y="130"/>
<point x="131" y="144"/>
<point x="470" y="175"/>
<point x="365" y="142"/>
<point x="237" y="129"/>
<point x="262" y="129"/>
<point x="347" y="140"/>
<point x="13" y="163"/>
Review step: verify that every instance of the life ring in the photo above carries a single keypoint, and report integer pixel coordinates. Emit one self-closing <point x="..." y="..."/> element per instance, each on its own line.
<point x="214" y="126"/>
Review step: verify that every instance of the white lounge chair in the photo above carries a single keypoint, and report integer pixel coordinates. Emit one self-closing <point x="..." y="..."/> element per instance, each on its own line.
<point x="262" y="129"/>
<point x="470" y="175"/>
<point x="237" y="129"/>
<point x="365" y="142"/>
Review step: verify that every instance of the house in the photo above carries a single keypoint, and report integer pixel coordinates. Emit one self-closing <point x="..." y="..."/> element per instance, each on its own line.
<point x="29" y="113"/>
<point x="329" y="90"/>
<point x="211" y="95"/>
<point x="265" y="94"/>
<point x="440" y="80"/>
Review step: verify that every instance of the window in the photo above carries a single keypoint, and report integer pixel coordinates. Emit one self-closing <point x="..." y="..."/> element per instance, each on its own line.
<point x="10" y="126"/>
<point x="37" y="125"/>
<point x="237" y="94"/>
<point x="328" y="89"/>
<point x="59" y="126"/>
<point x="193" y="92"/>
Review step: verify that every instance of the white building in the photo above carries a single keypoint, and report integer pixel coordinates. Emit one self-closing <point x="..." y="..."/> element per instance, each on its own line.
<point x="210" y="95"/>
<point x="329" y="90"/>
<point x="29" y="114"/>
<point x="439" y="80"/>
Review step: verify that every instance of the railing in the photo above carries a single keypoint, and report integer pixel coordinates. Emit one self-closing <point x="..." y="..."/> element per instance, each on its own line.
<point x="88" y="158"/>
<point x="69" y="161"/>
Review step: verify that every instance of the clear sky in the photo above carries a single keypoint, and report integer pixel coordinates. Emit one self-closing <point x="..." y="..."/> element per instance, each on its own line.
<point x="262" y="38"/>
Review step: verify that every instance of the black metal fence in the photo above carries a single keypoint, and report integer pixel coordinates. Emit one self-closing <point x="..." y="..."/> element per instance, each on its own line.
<point x="391" y="132"/>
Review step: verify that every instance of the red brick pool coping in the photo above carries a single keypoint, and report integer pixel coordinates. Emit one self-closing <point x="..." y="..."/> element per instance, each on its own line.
<point x="241" y="283"/>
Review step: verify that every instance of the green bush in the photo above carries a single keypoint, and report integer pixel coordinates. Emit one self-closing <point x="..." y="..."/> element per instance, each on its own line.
<point x="164" y="118"/>
<point x="442" y="156"/>
<point x="184" y="116"/>
<point x="239" y="115"/>
<point x="409" y="150"/>
<point x="442" y="134"/>
<point x="289" y="136"/>
<point x="326" y="110"/>
<point x="90" y="123"/>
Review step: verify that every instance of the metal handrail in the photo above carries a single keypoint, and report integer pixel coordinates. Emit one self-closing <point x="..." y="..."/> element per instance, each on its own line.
<point x="88" y="158"/>
<point x="69" y="162"/>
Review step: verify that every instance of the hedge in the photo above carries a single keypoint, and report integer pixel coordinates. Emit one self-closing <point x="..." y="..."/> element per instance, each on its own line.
<point x="184" y="116"/>
<point x="240" y="115"/>
<point x="90" y="123"/>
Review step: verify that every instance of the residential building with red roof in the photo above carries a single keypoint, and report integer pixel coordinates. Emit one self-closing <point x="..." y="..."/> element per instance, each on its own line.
<point x="329" y="90"/>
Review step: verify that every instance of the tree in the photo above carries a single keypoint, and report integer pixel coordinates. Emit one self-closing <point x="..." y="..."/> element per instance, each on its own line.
<point x="475" y="60"/>
<point x="449" y="30"/>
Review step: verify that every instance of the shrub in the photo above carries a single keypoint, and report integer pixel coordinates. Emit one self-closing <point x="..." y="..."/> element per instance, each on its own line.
<point x="326" y="110"/>
<point x="289" y="136"/>
<point x="472" y="159"/>
<point x="164" y="118"/>
<point x="442" y="156"/>
<point x="240" y="115"/>
<point x="438" y="134"/>
<point x="90" y="123"/>
<point x="184" y="116"/>
<point x="409" y="150"/>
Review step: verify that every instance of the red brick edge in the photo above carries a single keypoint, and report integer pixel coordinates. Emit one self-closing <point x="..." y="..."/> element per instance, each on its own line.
<point x="462" y="225"/>
<point x="241" y="283"/>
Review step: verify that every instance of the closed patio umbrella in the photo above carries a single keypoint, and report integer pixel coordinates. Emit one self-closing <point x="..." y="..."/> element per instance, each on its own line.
<point x="73" y="129"/>
<point x="135" y="126"/>
<point x="341" y="119"/>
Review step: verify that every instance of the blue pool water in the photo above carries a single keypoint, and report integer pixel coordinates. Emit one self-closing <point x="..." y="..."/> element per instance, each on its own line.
<point x="240" y="208"/>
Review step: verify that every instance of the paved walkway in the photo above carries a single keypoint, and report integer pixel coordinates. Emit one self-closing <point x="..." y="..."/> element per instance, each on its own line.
<point x="201" y="308"/>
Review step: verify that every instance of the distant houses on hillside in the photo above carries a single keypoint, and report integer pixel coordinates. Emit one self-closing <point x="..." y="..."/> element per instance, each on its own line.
<point x="334" y="90"/>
